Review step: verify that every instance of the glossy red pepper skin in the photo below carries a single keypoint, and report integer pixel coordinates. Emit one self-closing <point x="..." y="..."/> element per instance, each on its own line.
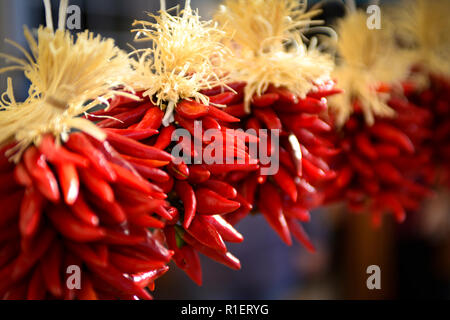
<point x="31" y="212"/>
<point x="59" y="155"/>
<point x="271" y="207"/>
<point x="221" y="188"/>
<point x="41" y="174"/>
<point x="69" y="182"/>
<point x="211" y="203"/>
<point x="226" y="259"/>
<point x="80" y="143"/>
<point x="202" y="230"/>
<point x="226" y="230"/>
<point x="187" y="195"/>
<point x="125" y="119"/>
<point x="152" y="119"/>
<point x="73" y="229"/>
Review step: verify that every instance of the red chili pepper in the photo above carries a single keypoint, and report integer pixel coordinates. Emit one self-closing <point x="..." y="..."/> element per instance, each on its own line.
<point x="41" y="174"/>
<point x="82" y="211"/>
<point x="187" y="196"/>
<point x="211" y="203"/>
<point x="236" y="216"/>
<point x="135" y="149"/>
<point x="192" y="265"/>
<point x="179" y="171"/>
<point x="69" y="182"/>
<point x="191" y="109"/>
<point x="59" y="155"/>
<point x="224" y="258"/>
<point x="324" y="91"/>
<point x="202" y="230"/>
<point x="111" y="210"/>
<point x="146" y="221"/>
<point x="220" y="187"/>
<point x="155" y="249"/>
<point x="152" y="119"/>
<point x="236" y="110"/>
<point x="271" y="207"/>
<point x="22" y="176"/>
<point x="30" y="212"/>
<point x="127" y="118"/>
<point x="185" y="257"/>
<point x="80" y="143"/>
<point x="27" y="259"/>
<point x="197" y="174"/>
<point x="118" y="237"/>
<point x="226" y="230"/>
<point x="133" y="181"/>
<point x="72" y="228"/>
<point x="209" y="123"/>
<point x="389" y="133"/>
<point x="394" y="204"/>
<point x="344" y="177"/>
<point x="284" y="94"/>
<point x="186" y="124"/>
<point x="145" y="162"/>
<point x="296" y="211"/>
<point x="153" y="174"/>
<point x="364" y="144"/>
<point x="86" y="253"/>
<point x="269" y="118"/>
<point x="222" y="98"/>
<point x="221" y="115"/>
<point x="96" y="185"/>
<point x="135" y="134"/>
<point x="165" y="137"/>
<point x="265" y="100"/>
<point x="312" y="171"/>
<point x="307" y="105"/>
<point x="117" y="280"/>
<point x="132" y="265"/>
<point x="248" y="189"/>
<point x="300" y="234"/>
<point x="286" y="183"/>
<point x="143" y="279"/>
<point x="51" y="269"/>
<point x="387" y="172"/>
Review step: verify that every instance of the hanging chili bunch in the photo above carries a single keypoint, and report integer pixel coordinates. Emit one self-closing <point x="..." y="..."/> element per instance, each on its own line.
<point x="284" y="89"/>
<point x="185" y="58"/>
<point x="423" y="27"/>
<point x="68" y="199"/>
<point x="383" y="164"/>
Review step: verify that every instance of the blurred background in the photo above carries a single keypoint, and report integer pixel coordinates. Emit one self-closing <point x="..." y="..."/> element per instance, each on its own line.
<point x="414" y="258"/>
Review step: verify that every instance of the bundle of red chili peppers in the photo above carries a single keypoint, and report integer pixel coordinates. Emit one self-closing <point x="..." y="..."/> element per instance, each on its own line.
<point x="76" y="205"/>
<point x="197" y="198"/>
<point x="383" y="167"/>
<point x="286" y="197"/>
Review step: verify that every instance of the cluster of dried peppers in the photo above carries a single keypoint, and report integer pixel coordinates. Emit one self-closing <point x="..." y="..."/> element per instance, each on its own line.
<point x="68" y="198"/>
